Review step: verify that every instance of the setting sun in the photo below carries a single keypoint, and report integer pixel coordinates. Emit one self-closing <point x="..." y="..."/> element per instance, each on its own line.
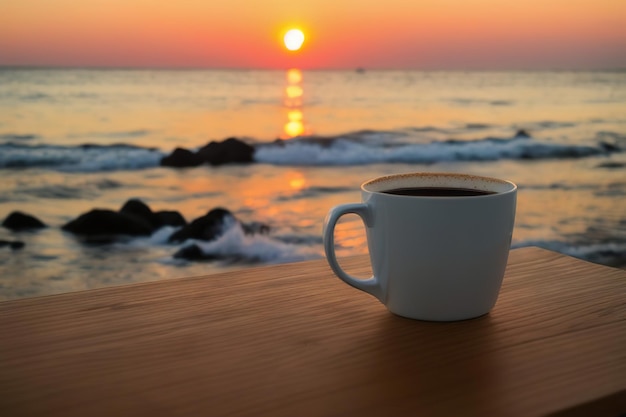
<point x="293" y="39"/>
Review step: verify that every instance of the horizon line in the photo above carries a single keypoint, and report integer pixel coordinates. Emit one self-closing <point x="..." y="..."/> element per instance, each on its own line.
<point x="356" y="68"/>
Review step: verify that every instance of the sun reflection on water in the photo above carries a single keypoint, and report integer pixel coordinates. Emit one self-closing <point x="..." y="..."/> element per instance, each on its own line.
<point x="294" y="76"/>
<point x="297" y="182"/>
<point x="293" y="103"/>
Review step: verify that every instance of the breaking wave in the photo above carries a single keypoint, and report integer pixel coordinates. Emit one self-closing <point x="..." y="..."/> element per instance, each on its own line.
<point x="350" y="152"/>
<point x="359" y="148"/>
<point x="236" y="246"/>
<point x="83" y="158"/>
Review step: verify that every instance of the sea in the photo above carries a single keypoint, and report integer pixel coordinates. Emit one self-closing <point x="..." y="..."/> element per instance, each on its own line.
<point x="72" y="140"/>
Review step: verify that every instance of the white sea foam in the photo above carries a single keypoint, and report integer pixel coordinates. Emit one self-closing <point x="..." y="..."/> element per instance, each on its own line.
<point x="235" y="245"/>
<point x="161" y="236"/>
<point x="348" y="152"/>
<point x="79" y="158"/>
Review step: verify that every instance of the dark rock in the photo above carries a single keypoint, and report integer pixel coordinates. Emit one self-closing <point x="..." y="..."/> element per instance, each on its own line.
<point x="181" y="158"/>
<point x="18" y="221"/>
<point x="170" y="218"/>
<point x="139" y="209"/>
<point x="13" y="244"/>
<point x="207" y="227"/>
<point x="100" y="222"/>
<point x="193" y="253"/>
<point x="231" y="150"/>
<point x="522" y="134"/>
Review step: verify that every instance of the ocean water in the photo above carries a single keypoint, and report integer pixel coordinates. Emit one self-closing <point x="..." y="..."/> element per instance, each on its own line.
<point x="76" y="139"/>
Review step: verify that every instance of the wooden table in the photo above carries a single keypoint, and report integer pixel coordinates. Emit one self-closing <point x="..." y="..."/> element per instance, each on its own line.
<point x="293" y="340"/>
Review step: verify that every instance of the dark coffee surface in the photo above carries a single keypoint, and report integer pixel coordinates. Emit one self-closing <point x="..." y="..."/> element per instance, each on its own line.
<point x="437" y="192"/>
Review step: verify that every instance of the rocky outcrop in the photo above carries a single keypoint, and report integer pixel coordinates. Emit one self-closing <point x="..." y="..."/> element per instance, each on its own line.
<point x="108" y="223"/>
<point x="19" y="221"/>
<point x="229" y="151"/>
<point x="170" y="218"/>
<point x="181" y="158"/>
<point x="157" y="219"/>
<point x="135" y="218"/>
<point x="208" y="227"/>
<point x="232" y="150"/>
<point x="137" y="208"/>
<point x="193" y="253"/>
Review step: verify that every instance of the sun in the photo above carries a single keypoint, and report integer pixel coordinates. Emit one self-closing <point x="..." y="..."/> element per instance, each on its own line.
<point x="294" y="38"/>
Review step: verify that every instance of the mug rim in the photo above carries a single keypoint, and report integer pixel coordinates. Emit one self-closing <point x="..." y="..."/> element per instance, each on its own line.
<point x="399" y="178"/>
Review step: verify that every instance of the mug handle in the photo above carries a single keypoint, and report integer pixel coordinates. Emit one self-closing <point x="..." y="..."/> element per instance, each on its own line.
<point x="372" y="285"/>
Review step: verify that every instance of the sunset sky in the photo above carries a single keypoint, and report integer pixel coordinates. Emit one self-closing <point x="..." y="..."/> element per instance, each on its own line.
<point x="389" y="34"/>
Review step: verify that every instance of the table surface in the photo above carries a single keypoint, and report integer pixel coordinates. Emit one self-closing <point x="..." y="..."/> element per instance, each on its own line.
<point x="293" y="340"/>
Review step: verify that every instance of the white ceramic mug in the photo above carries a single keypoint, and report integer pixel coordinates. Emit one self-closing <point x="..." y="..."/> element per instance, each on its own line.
<point x="436" y="258"/>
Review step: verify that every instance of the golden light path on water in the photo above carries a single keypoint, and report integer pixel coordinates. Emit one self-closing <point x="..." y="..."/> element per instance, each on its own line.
<point x="293" y="103"/>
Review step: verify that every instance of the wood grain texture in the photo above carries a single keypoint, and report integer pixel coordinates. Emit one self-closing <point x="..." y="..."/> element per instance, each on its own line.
<point x="293" y="340"/>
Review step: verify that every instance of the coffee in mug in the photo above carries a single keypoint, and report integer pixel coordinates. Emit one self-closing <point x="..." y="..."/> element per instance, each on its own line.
<point x="438" y="242"/>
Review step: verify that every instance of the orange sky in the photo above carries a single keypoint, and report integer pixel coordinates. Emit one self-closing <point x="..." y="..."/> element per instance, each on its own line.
<point x="421" y="34"/>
